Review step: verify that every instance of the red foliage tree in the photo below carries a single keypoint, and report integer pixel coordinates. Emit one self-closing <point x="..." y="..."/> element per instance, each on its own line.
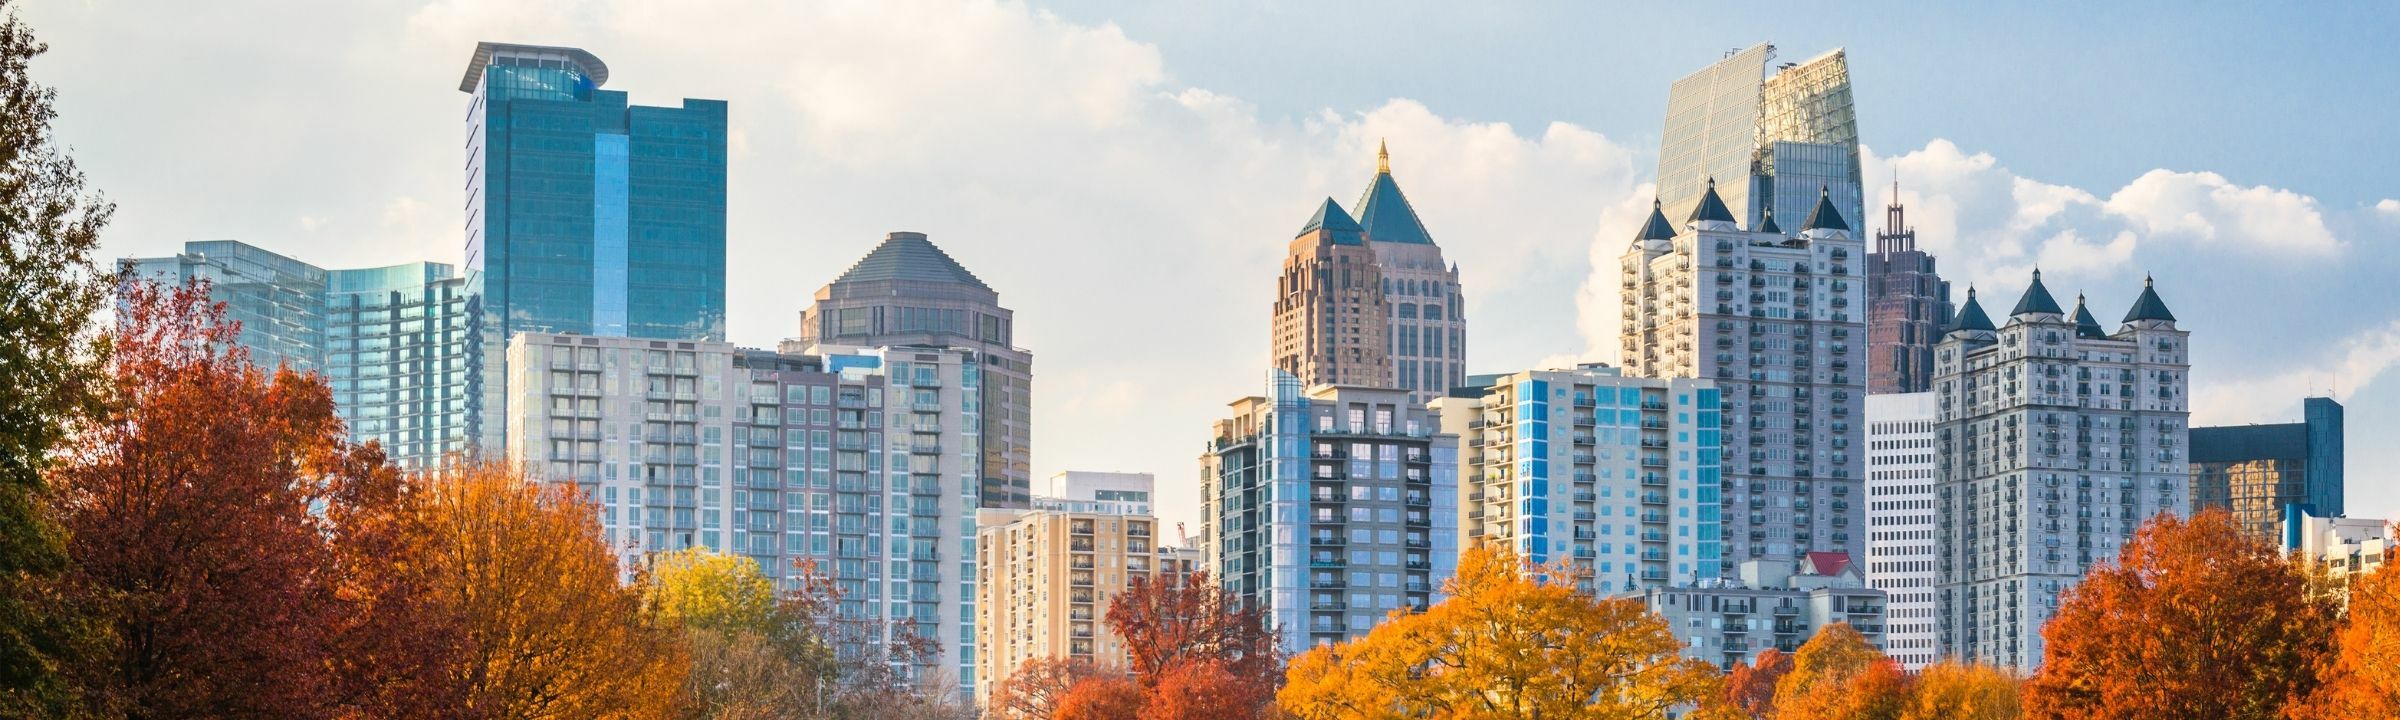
<point x="188" y="506"/>
<point x="1104" y="697"/>
<point x="1178" y="618"/>
<point x="2194" y="619"/>
<point x="1037" y="687"/>
<point x="1207" y="689"/>
<point x="1750" y="689"/>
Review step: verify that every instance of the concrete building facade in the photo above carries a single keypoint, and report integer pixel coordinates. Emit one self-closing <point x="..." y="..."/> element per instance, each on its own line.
<point x="1329" y="507"/>
<point x="1618" y="475"/>
<point x="2054" y="441"/>
<point x="1776" y="320"/>
<point x="908" y="293"/>
<point x="1779" y="605"/>
<point x="1900" y="521"/>
<point x="1908" y="307"/>
<point x="859" y="462"/>
<point x="1045" y="578"/>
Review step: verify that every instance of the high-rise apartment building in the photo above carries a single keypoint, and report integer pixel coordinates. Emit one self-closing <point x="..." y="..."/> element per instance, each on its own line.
<point x="1908" y="307"/>
<point x="586" y="214"/>
<point x="1045" y="578"/>
<point x="1771" y="138"/>
<point x="1618" y="475"/>
<point x="2054" y="440"/>
<point x="1900" y="521"/>
<point x="1427" y="331"/>
<point x="1329" y="507"/>
<point x="860" y="461"/>
<point x="908" y="293"/>
<point x="279" y="301"/>
<point x="1771" y="318"/>
<point x="2262" y="473"/>
<point x="1767" y="605"/>
<point x="400" y="357"/>
<point x="397" y="346"/>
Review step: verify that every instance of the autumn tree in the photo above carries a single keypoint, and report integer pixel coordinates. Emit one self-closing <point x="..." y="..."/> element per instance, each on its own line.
<point x="2363" y="678"/>
<point x="1104" y="697"/>
<point x="551" y="632"/>
<point x="1962" y="691"/>
<point x="50" y="352"/>
<point x="188" y="507"/>
<point x="1179" y="618"/>
<point x="1838" y="674"/>
<point x="1034" y="691"/>
<point x="753" y="654"/>
<point x="1750" y="689"/>
<point x="2195" y="618"/>
<point x="1509" y="642"/>
<point x="397" y="646"/>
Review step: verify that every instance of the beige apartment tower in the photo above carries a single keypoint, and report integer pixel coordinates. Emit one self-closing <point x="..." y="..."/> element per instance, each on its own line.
<point x="1044" y="581"/>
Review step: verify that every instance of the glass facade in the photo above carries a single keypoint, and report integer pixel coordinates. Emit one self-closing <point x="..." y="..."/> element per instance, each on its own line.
<point x="399" y="357"/>
<point x="278" y="300"/>
<point x="1770" y="139"/>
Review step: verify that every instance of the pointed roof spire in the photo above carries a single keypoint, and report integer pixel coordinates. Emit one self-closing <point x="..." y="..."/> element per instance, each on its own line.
<point x="1971" y="317"/>
<point x="1711" y="207"/>
<point x="2037" y="299"/>
<point x="1657" y="228"/>
<point x="1384" y="212"/>
<point x="2085" y="324"/>
<point x="1330" y="218"/>
<point x="1768" y="225"/>
<point x="2148" y="306"/>
<point x="1825" y="217"/>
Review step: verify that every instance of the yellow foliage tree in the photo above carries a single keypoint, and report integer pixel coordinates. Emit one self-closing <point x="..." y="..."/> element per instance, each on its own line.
<point x="1509" y="643"/>
<point x="1962" y="691"/>
<point x="1838" y="674"/>
<point x="551" y="632"/>
<point x="704" y="589"/>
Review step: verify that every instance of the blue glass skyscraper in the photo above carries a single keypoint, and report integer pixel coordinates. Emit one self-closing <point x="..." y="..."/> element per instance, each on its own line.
<point x="586" y="214"/>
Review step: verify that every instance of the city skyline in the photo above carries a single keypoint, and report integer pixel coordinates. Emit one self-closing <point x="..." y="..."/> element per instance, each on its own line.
<point x="1099" y="409"/>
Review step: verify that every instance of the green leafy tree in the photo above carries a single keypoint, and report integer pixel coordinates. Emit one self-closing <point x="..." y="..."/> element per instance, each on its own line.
<point x="51" y="355"/>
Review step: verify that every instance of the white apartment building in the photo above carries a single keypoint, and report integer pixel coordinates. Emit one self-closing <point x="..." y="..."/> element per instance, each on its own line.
<point x="1900" y="509"/>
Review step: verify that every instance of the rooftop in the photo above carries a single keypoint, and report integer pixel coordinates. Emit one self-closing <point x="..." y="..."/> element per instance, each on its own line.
<point x="485" y="51"/>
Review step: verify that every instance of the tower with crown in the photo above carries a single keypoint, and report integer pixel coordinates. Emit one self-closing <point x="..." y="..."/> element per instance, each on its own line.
<point x="1776" y="320"/>
<point x="2054" y="439"/>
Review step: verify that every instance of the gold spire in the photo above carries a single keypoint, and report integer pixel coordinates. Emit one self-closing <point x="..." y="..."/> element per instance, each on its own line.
<point x="1383" y="157"/>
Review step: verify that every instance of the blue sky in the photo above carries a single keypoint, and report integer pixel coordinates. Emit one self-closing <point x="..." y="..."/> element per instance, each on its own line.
<point x="1127" y="175"/>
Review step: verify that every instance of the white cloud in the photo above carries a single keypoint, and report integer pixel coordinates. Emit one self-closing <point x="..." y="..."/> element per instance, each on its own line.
<point x="2389" y="207"/>
<point x="2349" y="366"/>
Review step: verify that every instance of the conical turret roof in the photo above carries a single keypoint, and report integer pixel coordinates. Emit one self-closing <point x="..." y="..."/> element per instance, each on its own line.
<point x="1825" y="217"/>
<point x="2037" y="299"/>
<point x="1657" y="228"/>
<point x="2085" y="324"/>
<point x="2148" y="306"/>
<point x="1971" y="317"/>
<point x="1711" y="207"/>
<point x="1767" y="225"/>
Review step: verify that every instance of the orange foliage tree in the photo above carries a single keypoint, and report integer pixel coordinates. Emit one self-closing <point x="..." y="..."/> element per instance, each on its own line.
<point x="187" y="503"/>
<point x="1750" y="689"/>
<point x="1037" y="687"/>
<point x="1962" y="691"/>
<point x="1838" y="674"/>
<point x="1509" y="642"/>
<point x="1102" y="697"/>
<point x="1211" y="643"/>
<point x="2195" y="618"/>
<point x="2363" y="680"/>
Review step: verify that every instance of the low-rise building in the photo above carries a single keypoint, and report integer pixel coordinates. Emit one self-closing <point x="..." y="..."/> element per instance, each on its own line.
<point x="1774" y="605"/>
<point x="2347" y="548"/>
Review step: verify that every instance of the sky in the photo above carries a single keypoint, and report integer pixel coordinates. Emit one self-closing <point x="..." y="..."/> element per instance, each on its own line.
<point x="1127" y="175"/>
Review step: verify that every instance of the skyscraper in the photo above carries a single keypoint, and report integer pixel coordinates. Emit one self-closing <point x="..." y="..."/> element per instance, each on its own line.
<point x="1427" y="332"/>
<point x="1900" y="521"/>
<point x="1331" y="312"/>
<point x="279" y="301"/>
<point x="586" y="214"/>
<point x="1771" y="318"/>
<point x="1908" y="307"/>
<point x="398" y="346"/>
<point x="908" y="293"/>
<point x="859" y="460"/>
<point x="400" y="356"/>
<point x="2054" y="440"/>
<point x="1618" y="475"/>
<point x="1771" y="138"/>
<point x="2258" y="471"/>
<point x="1329" y="507"/>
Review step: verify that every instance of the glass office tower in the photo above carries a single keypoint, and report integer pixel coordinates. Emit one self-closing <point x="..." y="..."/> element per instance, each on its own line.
<point x="585" y="214"/>
<point x="278" y="300"/>
<point x="1772" y="138"/>
<point x="399" y="357"/>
